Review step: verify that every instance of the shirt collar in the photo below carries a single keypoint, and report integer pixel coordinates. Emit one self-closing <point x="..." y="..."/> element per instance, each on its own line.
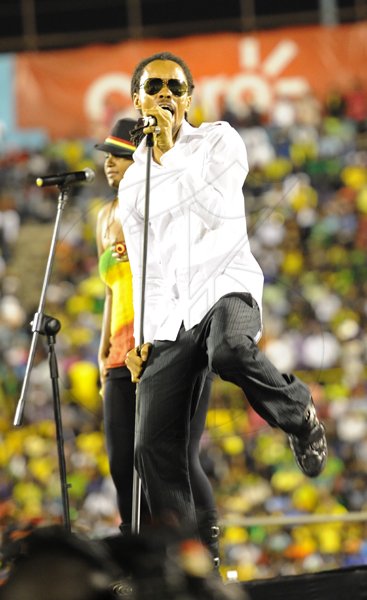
<point x="186" y="130"/>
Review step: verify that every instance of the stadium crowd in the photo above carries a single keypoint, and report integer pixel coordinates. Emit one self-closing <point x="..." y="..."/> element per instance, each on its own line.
<point x="306" y="199"/>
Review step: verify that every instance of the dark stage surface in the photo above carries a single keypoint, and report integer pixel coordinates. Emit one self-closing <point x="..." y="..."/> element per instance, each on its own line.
<point x="340" y="584"/>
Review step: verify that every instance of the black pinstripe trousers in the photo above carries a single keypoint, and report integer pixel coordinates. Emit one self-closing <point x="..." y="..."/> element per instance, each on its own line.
<point x="119" y="419"/>
<point x="224" y="343"/>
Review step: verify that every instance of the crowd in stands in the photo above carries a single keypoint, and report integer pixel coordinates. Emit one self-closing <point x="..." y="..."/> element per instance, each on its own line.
<point x="306" y="200"/>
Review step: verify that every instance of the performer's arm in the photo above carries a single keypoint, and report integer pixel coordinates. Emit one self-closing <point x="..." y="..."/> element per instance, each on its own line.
<point x="211" y="191"/>
<point x="208" y="178"/>
<point x="210" y="186"/>
<point x="104" y="344"/>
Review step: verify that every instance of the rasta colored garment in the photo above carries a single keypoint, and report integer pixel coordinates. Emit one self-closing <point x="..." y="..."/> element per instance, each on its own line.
<point x="117" y="275"/>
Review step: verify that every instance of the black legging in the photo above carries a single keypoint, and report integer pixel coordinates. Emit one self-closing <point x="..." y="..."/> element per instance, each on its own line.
<point x="119" y="418"/>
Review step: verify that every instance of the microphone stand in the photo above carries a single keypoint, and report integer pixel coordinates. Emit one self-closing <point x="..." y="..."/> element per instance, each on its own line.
<point x="47" y="325"/>
<point x="136" y="493"/>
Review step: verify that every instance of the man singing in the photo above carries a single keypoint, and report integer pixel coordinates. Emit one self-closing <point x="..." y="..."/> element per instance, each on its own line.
<point x="203" y="285"/>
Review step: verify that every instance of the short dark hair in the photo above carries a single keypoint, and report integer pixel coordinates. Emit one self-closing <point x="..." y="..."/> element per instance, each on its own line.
<point x="135" y="80"/>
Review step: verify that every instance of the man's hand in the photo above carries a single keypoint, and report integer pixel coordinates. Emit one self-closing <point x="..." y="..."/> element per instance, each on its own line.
<point x="162" y="132"/>
<point x="136" y="359"/>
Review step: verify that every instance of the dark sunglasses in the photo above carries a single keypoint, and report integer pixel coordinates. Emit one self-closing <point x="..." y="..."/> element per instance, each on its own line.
<point x="153" y="85"/>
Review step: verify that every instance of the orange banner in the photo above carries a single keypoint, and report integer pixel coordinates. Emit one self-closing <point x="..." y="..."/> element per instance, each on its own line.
<point x="80" y="92"/>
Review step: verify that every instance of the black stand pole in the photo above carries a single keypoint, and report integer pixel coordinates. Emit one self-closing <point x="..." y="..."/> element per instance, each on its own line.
<point x="136" y="498"/>
<point x="47" y="325"/>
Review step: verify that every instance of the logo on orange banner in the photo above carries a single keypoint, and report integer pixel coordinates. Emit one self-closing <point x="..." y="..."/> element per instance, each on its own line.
<point x="81" y="92"/>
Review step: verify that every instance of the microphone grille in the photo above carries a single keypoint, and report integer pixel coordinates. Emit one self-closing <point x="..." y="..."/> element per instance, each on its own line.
<point x="89" y="174"/>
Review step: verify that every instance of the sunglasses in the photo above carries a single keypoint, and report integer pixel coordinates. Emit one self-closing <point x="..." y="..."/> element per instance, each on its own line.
<point x="153" y="85"/>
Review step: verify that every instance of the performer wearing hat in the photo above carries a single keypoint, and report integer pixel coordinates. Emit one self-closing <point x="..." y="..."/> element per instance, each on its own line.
<point x="117" y="389"/>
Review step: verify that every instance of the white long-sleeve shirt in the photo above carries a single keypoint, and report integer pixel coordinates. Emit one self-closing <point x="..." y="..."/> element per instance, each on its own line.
<point x="198" y="248"/>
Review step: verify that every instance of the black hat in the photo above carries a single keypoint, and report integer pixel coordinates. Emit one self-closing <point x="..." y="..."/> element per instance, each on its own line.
<point x="118" y="141"/>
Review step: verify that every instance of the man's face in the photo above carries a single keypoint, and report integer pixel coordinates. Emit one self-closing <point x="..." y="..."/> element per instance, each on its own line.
<point x="115" y="168"/>
<point x="165" y="98"/>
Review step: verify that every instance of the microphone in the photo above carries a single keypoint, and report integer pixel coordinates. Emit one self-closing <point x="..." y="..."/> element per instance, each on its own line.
<point x="147" y="121"/>
<point x="66" y="178"/>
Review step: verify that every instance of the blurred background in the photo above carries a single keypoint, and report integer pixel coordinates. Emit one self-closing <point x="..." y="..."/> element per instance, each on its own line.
<point x="293" y="82"/>
<point x="42" y="24"/>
